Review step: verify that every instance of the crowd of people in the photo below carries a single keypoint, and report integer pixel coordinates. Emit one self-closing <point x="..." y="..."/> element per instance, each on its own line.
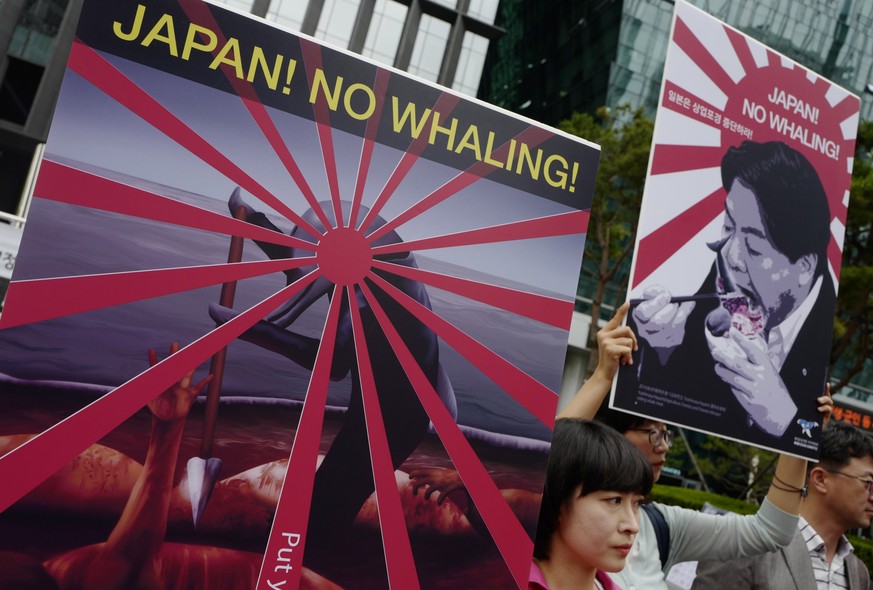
<point x="594" y="527"/>
<point x="796" y="539"/>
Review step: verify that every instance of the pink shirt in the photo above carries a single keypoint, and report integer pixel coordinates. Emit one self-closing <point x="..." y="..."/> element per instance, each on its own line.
<point x="536" y="580"/>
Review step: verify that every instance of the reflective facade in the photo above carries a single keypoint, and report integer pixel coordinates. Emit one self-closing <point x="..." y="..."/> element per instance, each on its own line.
<point x="565" y="56"/>
<point x="443" y="41"/>
<point x="30" y="73"/>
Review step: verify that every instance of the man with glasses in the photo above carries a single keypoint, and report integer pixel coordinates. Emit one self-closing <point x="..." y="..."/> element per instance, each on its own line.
<point x="840" y="498"/>
<point x="672" y="534"/>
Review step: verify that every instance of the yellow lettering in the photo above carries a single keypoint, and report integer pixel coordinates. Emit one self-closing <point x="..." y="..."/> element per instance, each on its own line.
<point x="259" y="59"/>
<point x="511" y="156"/>
<point x="191" y="43"/>
<point x="319" y="81"/>
<point x="229" y="55"/>
<point x="164" y="23"/>
<point x="524" y="156"/>
<point x="449" y="131"/>
<point x="556" y="178"/>
<point x="135" y="28"/>
<point x="470" y="141"/>
<point x="371" y="101"/>
<point x="489" y="148"/>
<point x="415" y="126"/>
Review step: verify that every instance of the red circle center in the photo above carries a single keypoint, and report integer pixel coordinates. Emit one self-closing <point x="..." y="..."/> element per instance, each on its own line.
<point x="344" y="256"/>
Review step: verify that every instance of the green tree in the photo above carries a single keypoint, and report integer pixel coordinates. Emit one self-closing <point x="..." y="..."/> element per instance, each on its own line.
<point x="625" y="137"/>
<point x="735" y="469"/>
<point x="854" y="314"/>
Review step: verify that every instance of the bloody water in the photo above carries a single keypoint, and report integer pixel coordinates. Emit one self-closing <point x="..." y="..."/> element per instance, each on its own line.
<point x="247" y="436"/>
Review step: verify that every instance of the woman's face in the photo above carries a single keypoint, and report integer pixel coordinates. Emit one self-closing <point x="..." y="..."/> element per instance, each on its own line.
<point x="597" y="530"/>
<point x="655" y="454"/>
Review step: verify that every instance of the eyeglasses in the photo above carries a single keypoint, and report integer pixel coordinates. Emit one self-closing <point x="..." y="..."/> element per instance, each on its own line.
<point x="866" y="482"/>
<point x="658" y="436"/>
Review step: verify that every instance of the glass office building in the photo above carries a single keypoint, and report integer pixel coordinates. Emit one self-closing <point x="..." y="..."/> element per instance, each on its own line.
<point x="30" y="75"/>
<point x="443" y="41"/>
<point x="544" y="59"/>
<point x="564" y="56"/>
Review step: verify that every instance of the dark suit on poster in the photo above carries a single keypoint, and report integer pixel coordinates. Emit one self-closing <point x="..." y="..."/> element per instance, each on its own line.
<point x="690" y="372"/>
<point x="789" y="568"/>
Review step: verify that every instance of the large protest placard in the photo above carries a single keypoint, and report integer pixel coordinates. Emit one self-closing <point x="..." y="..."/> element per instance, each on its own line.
<point x="377" y="273"/>
<point x="739" y="242"/>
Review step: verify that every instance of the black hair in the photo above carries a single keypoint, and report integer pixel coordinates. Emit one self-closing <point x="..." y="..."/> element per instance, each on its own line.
<point x="842" y="442"/>
<point x="790" y="195"/>
<point x="594" y="456"/>
<point x="618" y="420"/>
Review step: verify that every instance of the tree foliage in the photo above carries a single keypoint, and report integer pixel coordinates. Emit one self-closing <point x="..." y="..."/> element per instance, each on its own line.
<point x="854" y="314"/>
<point x="625" y="137"/>
<point x="732" y="469"/>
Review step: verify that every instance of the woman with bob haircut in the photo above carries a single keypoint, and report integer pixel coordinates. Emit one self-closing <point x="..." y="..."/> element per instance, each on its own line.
<point x="688" y="535"/>
<point x="589" y="517"/>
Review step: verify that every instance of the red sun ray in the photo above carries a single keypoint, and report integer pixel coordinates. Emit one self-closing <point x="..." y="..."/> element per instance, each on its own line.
<point x="25" y="467"/>
<point x="89" y="292"/>
<point x="312" y="61"/>
<point x="846" y="108"/>
<point x="449" y="189"/>
<point x="532" y="136"/>
<point x="561" y="224"/>
<point x="537" y="307"/>
<point x="395" y="538"/>
<point x="89" y="64"/>
<point x="380" y="89"/>
<point x="740" y="44"/>
<point x="199" y="11"/>
<point x="508" y="534"/>
<point x="65" y="184"/>
<point x="685" y="110"/>
<point x="445" y="104"/>
<point x="657" y="247"/>
<point x="292" y="510"/>
<point x="536" y="398"/>
<point x="680" y="158"/>
<point x="697" y="52"/>
<point x="835" y="255"/>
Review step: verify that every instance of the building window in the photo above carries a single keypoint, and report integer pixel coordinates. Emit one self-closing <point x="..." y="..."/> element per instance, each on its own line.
<point x="34" y="34"/>
<point x="18" y="89"/>
<point x="470" y="64"/>
<point x="288" y="13"/>
<point x="336" y="22"/>
<point x="483" y="10"/>
<point x="241" y="5"/>
<point x="430" y="45"/>
<point x="385" y="30"/>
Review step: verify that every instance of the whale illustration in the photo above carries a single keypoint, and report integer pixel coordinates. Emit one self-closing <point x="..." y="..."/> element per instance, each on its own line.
<point x="344" y="479"/>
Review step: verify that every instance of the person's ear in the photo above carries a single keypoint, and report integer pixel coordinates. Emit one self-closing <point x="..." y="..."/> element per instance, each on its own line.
<point x="818" y="480"/>
<point x="807" y="265"/>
